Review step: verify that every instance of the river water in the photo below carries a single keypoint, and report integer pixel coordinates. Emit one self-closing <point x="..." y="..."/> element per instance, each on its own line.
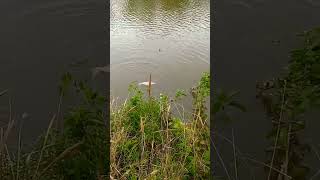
<point x="169" y="39"/>
<point x="244" y="52"/>
<point x="38" y="40"/>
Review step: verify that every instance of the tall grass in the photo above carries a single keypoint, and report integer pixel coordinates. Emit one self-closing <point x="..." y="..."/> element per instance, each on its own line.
<point x="150" y="141"/>
<point x="78" y="151"/>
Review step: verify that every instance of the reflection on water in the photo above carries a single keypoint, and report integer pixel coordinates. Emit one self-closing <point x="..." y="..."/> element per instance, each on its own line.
<point x="169" y="39"/>
<point x="146" y="11"/>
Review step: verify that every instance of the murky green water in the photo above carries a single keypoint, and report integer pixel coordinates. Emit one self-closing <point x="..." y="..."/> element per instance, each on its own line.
<point x="169" y="39"/>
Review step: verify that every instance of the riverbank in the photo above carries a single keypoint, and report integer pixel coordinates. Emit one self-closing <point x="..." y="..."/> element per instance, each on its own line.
<point x="149" y="142"/>
<point x="147" y="139"/>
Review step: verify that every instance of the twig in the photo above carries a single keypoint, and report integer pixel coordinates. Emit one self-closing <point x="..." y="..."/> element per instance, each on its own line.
<point x="59" y="109"/>
<point x="286" y="166"/>
<point x="19" y="152"/>
<point x="44" y="145"/>
<point x="9" y="127"/>
<point x="278" y="130"/>
<point x="237" y="149"/>
<point x="251" y="159"/>
<point x="62" y="155"/>
<point x="266" y="165"/>
<point x="142" y="144"/>
<point x="10" y="161"/>
<point x="221" y="160"/>
<point x="149" y="87"/>
<point x="235" y="156"/>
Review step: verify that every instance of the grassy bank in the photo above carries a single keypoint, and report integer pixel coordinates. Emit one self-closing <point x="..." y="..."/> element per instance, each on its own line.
<point x="151" y="138"/>
<point x="149" y="141"/>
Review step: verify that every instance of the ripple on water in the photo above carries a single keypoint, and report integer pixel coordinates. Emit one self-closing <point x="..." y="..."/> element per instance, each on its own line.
<point x="155" y="20"/>
<point x="170" y="39"/>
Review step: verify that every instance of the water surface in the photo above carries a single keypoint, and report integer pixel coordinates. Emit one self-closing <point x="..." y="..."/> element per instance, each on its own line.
<point x="169" y="39"/>
<point x="38" y="39"/>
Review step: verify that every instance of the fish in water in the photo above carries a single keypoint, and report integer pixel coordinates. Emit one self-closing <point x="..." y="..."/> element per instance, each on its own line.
<point x="149" y="84"/>
<point x="146" y="83"/>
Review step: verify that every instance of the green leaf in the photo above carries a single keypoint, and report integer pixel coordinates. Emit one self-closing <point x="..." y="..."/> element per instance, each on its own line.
<point x="238" y="106"/>
<point x="179" y="94"/>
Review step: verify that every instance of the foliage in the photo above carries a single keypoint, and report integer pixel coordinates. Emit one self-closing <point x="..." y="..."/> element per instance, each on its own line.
<point x="287" y="99"/>
<point x="223" y="101"/>
<point x="78" y="151"/>
<point x="149" y="142"/>
<point x="85" y="123"/>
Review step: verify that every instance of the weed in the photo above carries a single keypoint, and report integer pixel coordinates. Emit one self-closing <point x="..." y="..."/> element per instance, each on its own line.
<point x="149" y="142"/>
<point x="286" y="100"/>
